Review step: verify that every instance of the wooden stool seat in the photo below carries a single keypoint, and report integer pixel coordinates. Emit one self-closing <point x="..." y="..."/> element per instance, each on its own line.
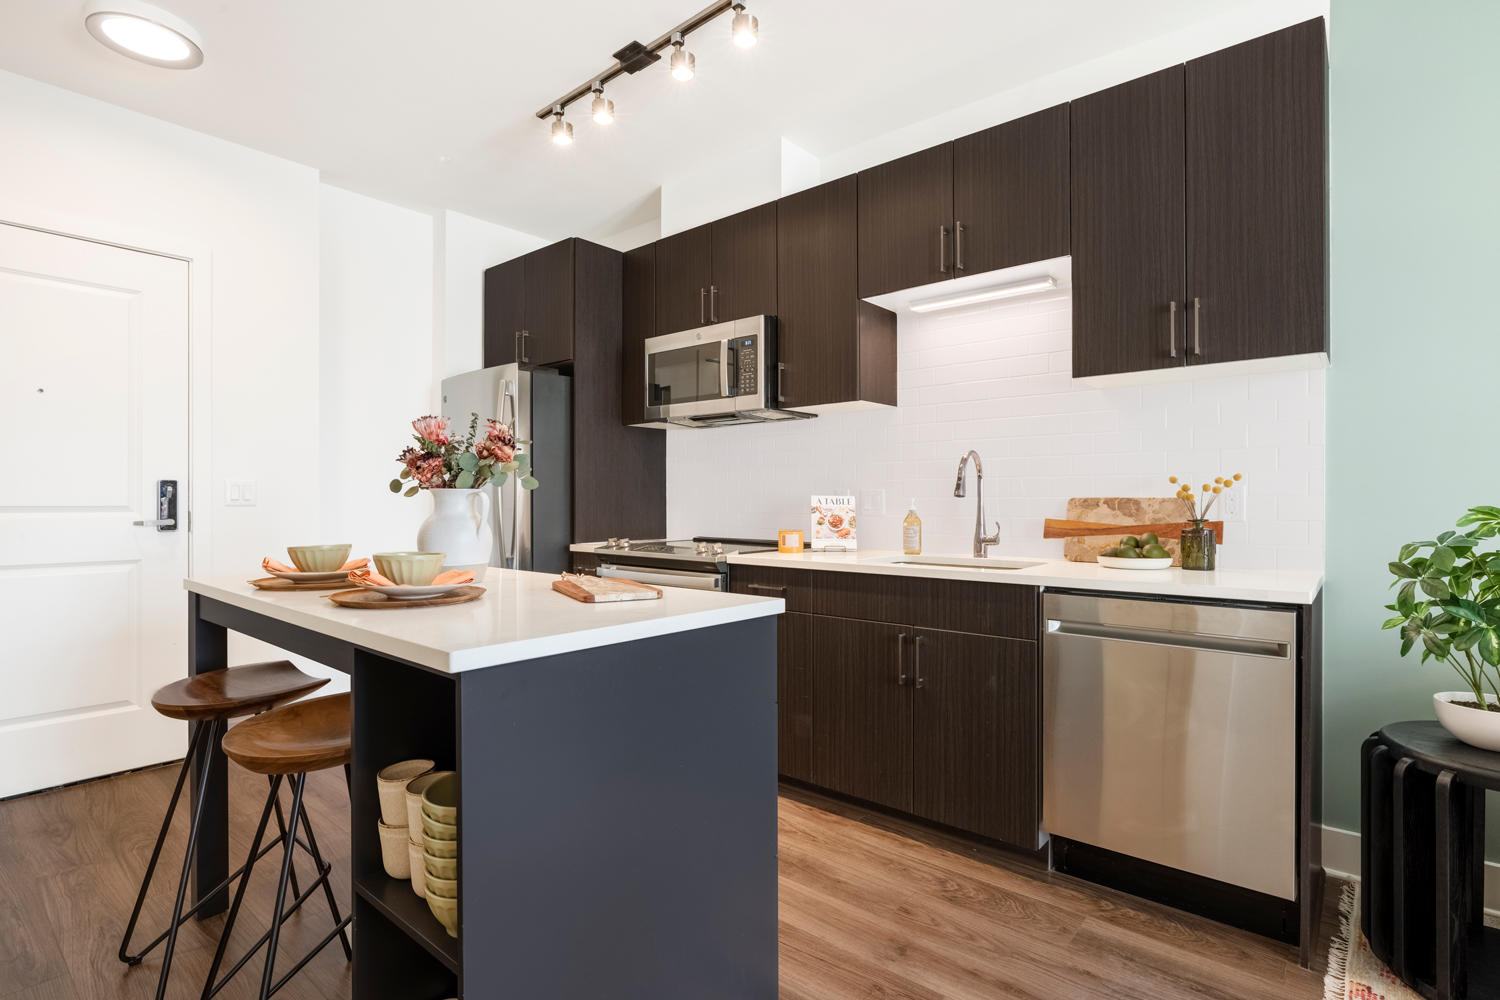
<point x="304" y="736"/>
<point x="228" y="694"/>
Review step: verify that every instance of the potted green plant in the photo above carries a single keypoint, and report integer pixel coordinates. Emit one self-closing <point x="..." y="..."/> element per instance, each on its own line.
<point x="1448" y="604"/>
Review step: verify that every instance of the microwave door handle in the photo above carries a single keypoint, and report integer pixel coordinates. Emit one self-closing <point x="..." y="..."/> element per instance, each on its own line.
<point x="724" y="369"/>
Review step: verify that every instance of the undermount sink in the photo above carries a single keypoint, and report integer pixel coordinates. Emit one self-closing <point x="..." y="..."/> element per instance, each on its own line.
<point x="966" y="562"/>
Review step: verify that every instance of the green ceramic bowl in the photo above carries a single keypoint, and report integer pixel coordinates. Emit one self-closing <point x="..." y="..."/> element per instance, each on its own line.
<point x="409" y="569"/>
<point x="440" y="867"/>
<point x="318" y="558"/>
<point x="445" y="887"/>
<point x="441" y="849"/>
<point x="440" y="799"/>
<point x="446" y="911"/>
<point x="434" y="830"/>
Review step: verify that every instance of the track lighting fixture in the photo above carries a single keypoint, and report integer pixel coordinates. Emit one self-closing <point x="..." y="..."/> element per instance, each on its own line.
<point x="684" y="63"/>
<point x="562" y="131"/>
<point x="636" y="56"/>
<point x="746" y="27"/>
<point x="604" y="108"/>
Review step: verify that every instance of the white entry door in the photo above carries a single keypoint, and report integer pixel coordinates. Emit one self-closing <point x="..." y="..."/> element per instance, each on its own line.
<point x="93" y="411"/>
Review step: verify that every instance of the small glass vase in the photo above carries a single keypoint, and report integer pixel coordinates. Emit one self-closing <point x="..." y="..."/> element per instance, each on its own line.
<point x="1199" y="546"/>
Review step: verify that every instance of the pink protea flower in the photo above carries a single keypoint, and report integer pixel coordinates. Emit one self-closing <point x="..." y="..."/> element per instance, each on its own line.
<point x="499" y="442"/>
<point x="429" y="471"/>
<point x="434" y="429"/>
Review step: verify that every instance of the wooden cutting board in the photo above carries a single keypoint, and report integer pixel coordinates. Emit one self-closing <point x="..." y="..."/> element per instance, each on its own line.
<point x="1120" y="510"/>
<point x="602" y="590"/>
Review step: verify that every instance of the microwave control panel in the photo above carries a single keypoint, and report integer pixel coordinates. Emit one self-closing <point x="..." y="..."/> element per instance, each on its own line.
<point x="747" y="354"/>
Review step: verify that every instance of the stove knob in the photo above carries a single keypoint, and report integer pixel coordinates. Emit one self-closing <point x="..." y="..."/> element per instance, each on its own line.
<point x="718" y="549"/>
<point x="613" y="543"/>
<point x="624" y="543"/>
<point x="702" y="548"/>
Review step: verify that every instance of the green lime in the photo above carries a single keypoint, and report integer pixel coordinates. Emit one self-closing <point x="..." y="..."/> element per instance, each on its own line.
<point x="1130" y="541"/>
<point x="1112" y="553"/>
<point x="1149" y="539"/>
<point x="1154" y="551"/>
<point x="1128" y="552"/>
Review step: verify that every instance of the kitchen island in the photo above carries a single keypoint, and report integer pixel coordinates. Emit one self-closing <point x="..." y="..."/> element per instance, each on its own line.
<point x="617" y="767"/>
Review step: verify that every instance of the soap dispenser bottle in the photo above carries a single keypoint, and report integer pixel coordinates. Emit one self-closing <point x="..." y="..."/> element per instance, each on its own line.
<point x="911" y="531"/>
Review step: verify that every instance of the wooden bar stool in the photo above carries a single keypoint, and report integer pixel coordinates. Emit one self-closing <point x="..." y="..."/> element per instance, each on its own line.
<point x="209" y="701"/>
<point x="306" y="736"/>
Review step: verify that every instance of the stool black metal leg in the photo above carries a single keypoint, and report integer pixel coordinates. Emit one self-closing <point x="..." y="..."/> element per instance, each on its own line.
<point x="211" y="739"/>
<point x="333" y="905"/>
<point x="1452" y="876"/>
<point x="281" y="827"/>
<point x="161" y="838"/>
<point x="298" y="784"/>
<point x="210" y="987"/>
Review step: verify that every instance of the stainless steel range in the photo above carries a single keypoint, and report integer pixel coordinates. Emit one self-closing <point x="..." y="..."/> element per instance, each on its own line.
<point x="700" y="563"/>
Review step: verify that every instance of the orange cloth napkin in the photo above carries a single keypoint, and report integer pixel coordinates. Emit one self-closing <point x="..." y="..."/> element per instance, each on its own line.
<point x="370" y="578"/>
<point x="274" y="566"/>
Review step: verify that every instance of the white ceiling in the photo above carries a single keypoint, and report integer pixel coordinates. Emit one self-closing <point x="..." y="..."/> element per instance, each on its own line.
<point x="431" y="104"/>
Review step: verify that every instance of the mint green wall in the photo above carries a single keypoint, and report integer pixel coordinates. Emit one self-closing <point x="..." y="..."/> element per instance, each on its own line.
<point x="1414" y="391"/>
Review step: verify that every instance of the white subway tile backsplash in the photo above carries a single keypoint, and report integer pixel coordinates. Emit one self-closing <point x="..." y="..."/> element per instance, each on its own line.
<point x="998" y="380"/>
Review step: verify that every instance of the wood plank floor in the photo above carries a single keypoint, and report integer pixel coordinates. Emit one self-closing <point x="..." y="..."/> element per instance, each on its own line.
<point x="871" y="907"/>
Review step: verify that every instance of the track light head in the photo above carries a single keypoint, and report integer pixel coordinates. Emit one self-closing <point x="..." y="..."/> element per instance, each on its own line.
<point x="562" y="131"/>
<point x="684" y="63"/>
<point x="603" y="107"/>
<point x="746" y="27"/>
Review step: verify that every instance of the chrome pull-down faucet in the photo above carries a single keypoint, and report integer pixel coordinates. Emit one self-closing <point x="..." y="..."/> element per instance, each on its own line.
<point x="982" y="542"/>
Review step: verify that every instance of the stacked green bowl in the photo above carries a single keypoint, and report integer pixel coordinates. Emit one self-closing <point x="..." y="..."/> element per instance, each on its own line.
<point x="440" y="850"/>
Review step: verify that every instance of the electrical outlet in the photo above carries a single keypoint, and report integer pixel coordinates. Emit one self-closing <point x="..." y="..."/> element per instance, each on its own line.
<point x="1234" y="503"/>
<point x="240" y="493"/>
<point x="872" y="502"/>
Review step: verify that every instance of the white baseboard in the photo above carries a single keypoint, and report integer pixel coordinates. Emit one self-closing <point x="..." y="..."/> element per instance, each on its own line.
<point x="1341" y="860"/>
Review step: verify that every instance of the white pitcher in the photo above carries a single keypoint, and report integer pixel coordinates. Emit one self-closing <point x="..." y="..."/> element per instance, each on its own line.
<point x="459" y="527"/>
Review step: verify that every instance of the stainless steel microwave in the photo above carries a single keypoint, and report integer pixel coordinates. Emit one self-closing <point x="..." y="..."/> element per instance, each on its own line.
<point x="716" y="375"/>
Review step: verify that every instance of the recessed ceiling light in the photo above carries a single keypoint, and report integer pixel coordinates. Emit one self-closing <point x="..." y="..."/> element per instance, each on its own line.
<point x="144" y="32"/>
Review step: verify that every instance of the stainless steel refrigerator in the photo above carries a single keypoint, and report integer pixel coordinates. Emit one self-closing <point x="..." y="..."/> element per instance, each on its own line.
<point x="532" y="528"/>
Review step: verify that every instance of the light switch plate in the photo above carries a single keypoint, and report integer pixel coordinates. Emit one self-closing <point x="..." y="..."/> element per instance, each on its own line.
<point x="240" y="493"/>
<point x="872" y="502"/>
<point x="1234" y="503"/>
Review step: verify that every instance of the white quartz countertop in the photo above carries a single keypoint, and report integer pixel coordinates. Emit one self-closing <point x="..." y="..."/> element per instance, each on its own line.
<point x="520" y="618"/>
<point x="1268" y="586"/>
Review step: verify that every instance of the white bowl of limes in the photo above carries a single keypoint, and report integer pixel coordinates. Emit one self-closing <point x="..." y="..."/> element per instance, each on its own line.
<point x="1145" y="552"/>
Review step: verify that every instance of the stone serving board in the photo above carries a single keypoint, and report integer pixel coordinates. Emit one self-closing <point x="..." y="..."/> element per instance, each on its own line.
<point x="1119" y="510"/>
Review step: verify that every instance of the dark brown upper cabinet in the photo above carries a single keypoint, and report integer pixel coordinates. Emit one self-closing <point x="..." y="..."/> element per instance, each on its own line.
<point x="1200" y="210"/>
<point x="1010" y="193"/>
<point x="744" y="271"/>
<point x="717" y="272"/>
<point x="1257" y="198"/>
<point x="1129" y="259"/>
<point x="906" y="222"/>
<point x="684" y="270"/>
<point x="639" y="304"/>
<point x="834" y="348"/>
<point x="529" y="308"/>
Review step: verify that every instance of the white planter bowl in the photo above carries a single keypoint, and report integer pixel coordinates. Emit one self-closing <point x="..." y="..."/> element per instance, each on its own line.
<point x="1475" y="727"/>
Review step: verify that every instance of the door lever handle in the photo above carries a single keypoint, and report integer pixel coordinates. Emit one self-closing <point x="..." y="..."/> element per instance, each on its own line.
<point x="160" y="522"/>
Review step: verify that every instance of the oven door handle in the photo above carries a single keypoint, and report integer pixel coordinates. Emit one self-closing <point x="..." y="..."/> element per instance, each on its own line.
<point x="664" y="577"/>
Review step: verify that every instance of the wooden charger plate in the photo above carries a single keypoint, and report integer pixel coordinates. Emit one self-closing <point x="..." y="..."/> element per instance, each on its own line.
<point x="370" y="598"/>
<point x="277" y="583"/>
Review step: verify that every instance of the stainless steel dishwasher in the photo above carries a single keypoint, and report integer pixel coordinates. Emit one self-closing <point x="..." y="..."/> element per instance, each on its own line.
<point x="1169" y="734"/>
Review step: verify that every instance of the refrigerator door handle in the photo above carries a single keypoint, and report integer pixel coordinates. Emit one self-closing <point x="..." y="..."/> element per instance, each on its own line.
<point x="508" y="532"/>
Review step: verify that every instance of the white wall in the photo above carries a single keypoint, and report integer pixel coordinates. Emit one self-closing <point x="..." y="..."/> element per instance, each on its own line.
<point x="464" y="247"/>
<point x="376" y="268"/>
<point x="996" y="379"/>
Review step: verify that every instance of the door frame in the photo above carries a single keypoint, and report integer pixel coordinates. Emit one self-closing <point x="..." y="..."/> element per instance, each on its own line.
<point x="199" y="260"/>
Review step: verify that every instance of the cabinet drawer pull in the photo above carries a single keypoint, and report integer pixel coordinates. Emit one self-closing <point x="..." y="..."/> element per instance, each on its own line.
<point x="713" y="303"/>
<point x="917" y="643"/>
<point x="524" y="335"/>
<point x="1197" y="340"/>
<point x="901" y="678"/>
<point x="765" y="588"/>
<point x="702" y="306"/>
<point x="1172" y="328"/>
<point x="942" y="249"/>
<point x="958" y="245"/>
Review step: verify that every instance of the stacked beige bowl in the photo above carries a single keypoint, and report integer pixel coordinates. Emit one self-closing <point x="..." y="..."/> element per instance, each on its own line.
<point x="439" y="860"/>
<point x="396" y="836"/>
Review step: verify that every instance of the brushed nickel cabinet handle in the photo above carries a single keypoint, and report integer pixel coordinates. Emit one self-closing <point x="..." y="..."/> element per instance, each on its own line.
<point x="524" y="335"/>
<point x="765" y="588"/>
<point x="702" y="306"/>
<point x="1197" y="338"/>
<point x="942" y="249"/>
<point x="713" y="303"/>
<point x="1172" y="328"/>
<point x="901" y="678"/>
<point x="958" y="245"/>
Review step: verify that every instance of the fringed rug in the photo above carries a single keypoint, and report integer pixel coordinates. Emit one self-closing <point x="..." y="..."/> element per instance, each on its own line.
<point x="1354" y="973"/>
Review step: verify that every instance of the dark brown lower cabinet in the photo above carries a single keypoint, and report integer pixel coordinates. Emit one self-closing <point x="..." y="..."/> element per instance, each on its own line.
<point x="974" y="734"/>
<point x="861" y="710"/>
<point x="794" y="696"/>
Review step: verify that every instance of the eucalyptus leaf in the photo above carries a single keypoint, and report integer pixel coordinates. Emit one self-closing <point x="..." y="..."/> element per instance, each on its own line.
<point x="528" y="483"/>
<point x="411" y="492"/>
<point x="395" y="486"/>
<point x="468" y="461"/>
<point x="465" y="480"/>
<point x="405" y="473"/>
<point x="523" y="463"/>
<point x="511" y="466"/>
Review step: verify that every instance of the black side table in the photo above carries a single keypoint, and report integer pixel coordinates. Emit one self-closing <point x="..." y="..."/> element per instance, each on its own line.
<point x="1422" y="801"/>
